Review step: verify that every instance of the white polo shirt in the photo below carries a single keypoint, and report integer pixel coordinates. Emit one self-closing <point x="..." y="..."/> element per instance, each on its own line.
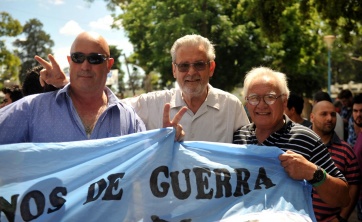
<point x="216" y="120"/>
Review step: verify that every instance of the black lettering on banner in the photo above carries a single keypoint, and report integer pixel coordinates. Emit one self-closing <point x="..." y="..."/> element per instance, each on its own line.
<point x="156" y="218"/>
<point x="202" y="179"/>
<point x="55" y="200"/>
<point x="154" y="182"/>
<point x="176" y="184"/>
<point x="220" y="183"/>
<point x="202" y="183"/>
<point x="263" y="179"/>
<point x="242" y="182"/>
<point x="9" y="208"/>
<point x="114" y="180"/>
<point x="39" y="200"/>
<point x="102" y="184"/>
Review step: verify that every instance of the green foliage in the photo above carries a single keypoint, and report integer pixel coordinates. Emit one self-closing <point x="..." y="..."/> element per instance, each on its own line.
<point x="9" y="26"/>
<point x="286" y="35"/>
<point x="116" y="54"/>
<point x="9" y="62"/>
<point x="153" y="26"/>
<point x="36" y="42"/>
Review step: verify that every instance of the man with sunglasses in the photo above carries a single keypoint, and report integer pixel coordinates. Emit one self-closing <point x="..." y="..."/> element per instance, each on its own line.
<point x="84" y="109"/>
<point x="305" y="157"/>
<point x="213" y="115"/>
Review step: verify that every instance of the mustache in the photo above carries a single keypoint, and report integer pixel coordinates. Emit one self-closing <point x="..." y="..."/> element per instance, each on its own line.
<point x="192" y="78"/>
<point x="85" y="73"/>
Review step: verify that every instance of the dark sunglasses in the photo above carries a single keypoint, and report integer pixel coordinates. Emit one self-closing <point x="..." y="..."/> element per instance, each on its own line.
<point x="198" y="66"/>
<point x="92" y="58"/>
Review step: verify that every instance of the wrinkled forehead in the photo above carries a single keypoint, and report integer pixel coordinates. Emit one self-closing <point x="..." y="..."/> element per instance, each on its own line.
<point x="263" y="85"/>
<point x="90" y="44"/>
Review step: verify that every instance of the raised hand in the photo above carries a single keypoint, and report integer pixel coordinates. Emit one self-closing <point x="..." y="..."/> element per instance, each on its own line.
<point x="180" y="133"/>
<point x="51" y="73"/>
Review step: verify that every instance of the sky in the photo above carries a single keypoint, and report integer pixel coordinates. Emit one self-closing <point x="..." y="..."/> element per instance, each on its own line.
<point x="64" y="19"/>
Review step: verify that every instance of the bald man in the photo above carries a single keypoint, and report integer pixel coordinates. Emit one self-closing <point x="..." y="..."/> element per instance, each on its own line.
<point x="84" y="109"/>
<point x="323" y="118"/>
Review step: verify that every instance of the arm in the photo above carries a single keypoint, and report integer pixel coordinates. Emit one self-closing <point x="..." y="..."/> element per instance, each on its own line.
<point x="14" y="123"/>
<point x="180" y="134"/>
<point x="333" y="191"/>
<point x="354" y="190"/>
<point x="52" y="73"/>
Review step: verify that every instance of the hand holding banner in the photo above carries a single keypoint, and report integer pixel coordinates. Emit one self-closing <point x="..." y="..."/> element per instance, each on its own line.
<point x="148" y="177"/>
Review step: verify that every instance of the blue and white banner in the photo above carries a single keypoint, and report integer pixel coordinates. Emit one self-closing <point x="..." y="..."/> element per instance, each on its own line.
<point x="148" y="177"/>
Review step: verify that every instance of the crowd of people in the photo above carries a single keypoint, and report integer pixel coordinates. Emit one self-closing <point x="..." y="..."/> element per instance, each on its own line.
<point x="31" y="85"/>
<point x="322" y="149"/>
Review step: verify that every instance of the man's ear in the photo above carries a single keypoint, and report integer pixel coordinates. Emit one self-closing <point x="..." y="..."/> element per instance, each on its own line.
<point x="174" y="70"/>
<point x="212" y="68"/>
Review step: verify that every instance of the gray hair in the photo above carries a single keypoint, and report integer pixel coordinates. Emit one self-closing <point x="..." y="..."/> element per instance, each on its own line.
<point x="281" y="79"/>
<point x="193" y="40"/>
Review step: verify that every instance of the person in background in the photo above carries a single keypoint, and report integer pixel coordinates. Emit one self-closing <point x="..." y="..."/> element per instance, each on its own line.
<point x="355" y="139"/>
<point x="345" y="96"/>
<point x="213" y="115"/>
<point x="338" y="106"/>
<point x="321" y="96"/>
<point x="358" y="150"/>
<point x="324" y="118"/>
<point x="355" y="124"/>
<point x="266" y="92"/>
<point x="12" y="94"/>
<point x="31" y="84"/>
<point x="84" y="109"/>
<point x="294" y="110"/>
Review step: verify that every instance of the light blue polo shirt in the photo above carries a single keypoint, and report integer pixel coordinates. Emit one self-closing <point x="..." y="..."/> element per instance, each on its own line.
<point x="51" y="117"/>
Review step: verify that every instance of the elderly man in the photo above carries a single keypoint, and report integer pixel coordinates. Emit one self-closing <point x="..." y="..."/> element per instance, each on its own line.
<point x="83" y="109"/>
<point x="305" y="157"/>
<point x="324" y="119"/>
<point x="213" y="115"/>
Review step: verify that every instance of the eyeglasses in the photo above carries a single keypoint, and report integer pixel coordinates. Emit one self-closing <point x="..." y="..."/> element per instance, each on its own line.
<point x="198" y="66"/>
<point x="268" y="99"/>
<point x="92" y="58"/>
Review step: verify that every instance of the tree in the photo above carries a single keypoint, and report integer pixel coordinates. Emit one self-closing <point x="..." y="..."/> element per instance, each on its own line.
<point x="37" y="42"/>
<point x="153" y="26"/>
<point x="9" y="62"/>
<point x="116" y="54"/>
<point x="343" y="15"/>
<point x="300" y="27"/>
<point x="286" y="35"/>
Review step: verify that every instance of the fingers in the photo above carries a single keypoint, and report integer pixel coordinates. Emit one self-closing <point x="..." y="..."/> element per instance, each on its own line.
<point x="44" y="63"/>
<point x="180" y="133"/>
<point x="52" y="73"/>
<point x="176" y="119"/>
<point x="166" y="115"/>
<point x="55" y="65"/>
<point x="43" y="74"/>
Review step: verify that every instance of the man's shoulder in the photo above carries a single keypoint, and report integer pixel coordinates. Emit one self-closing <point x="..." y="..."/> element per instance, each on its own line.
<point x="161" y="93"/>
<point x="159" y="96"/>
<point x="223" y="94"/>
<point x="341" y="144"/>
<point x="39" y="98"/>
<point x="298" y="130"/>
